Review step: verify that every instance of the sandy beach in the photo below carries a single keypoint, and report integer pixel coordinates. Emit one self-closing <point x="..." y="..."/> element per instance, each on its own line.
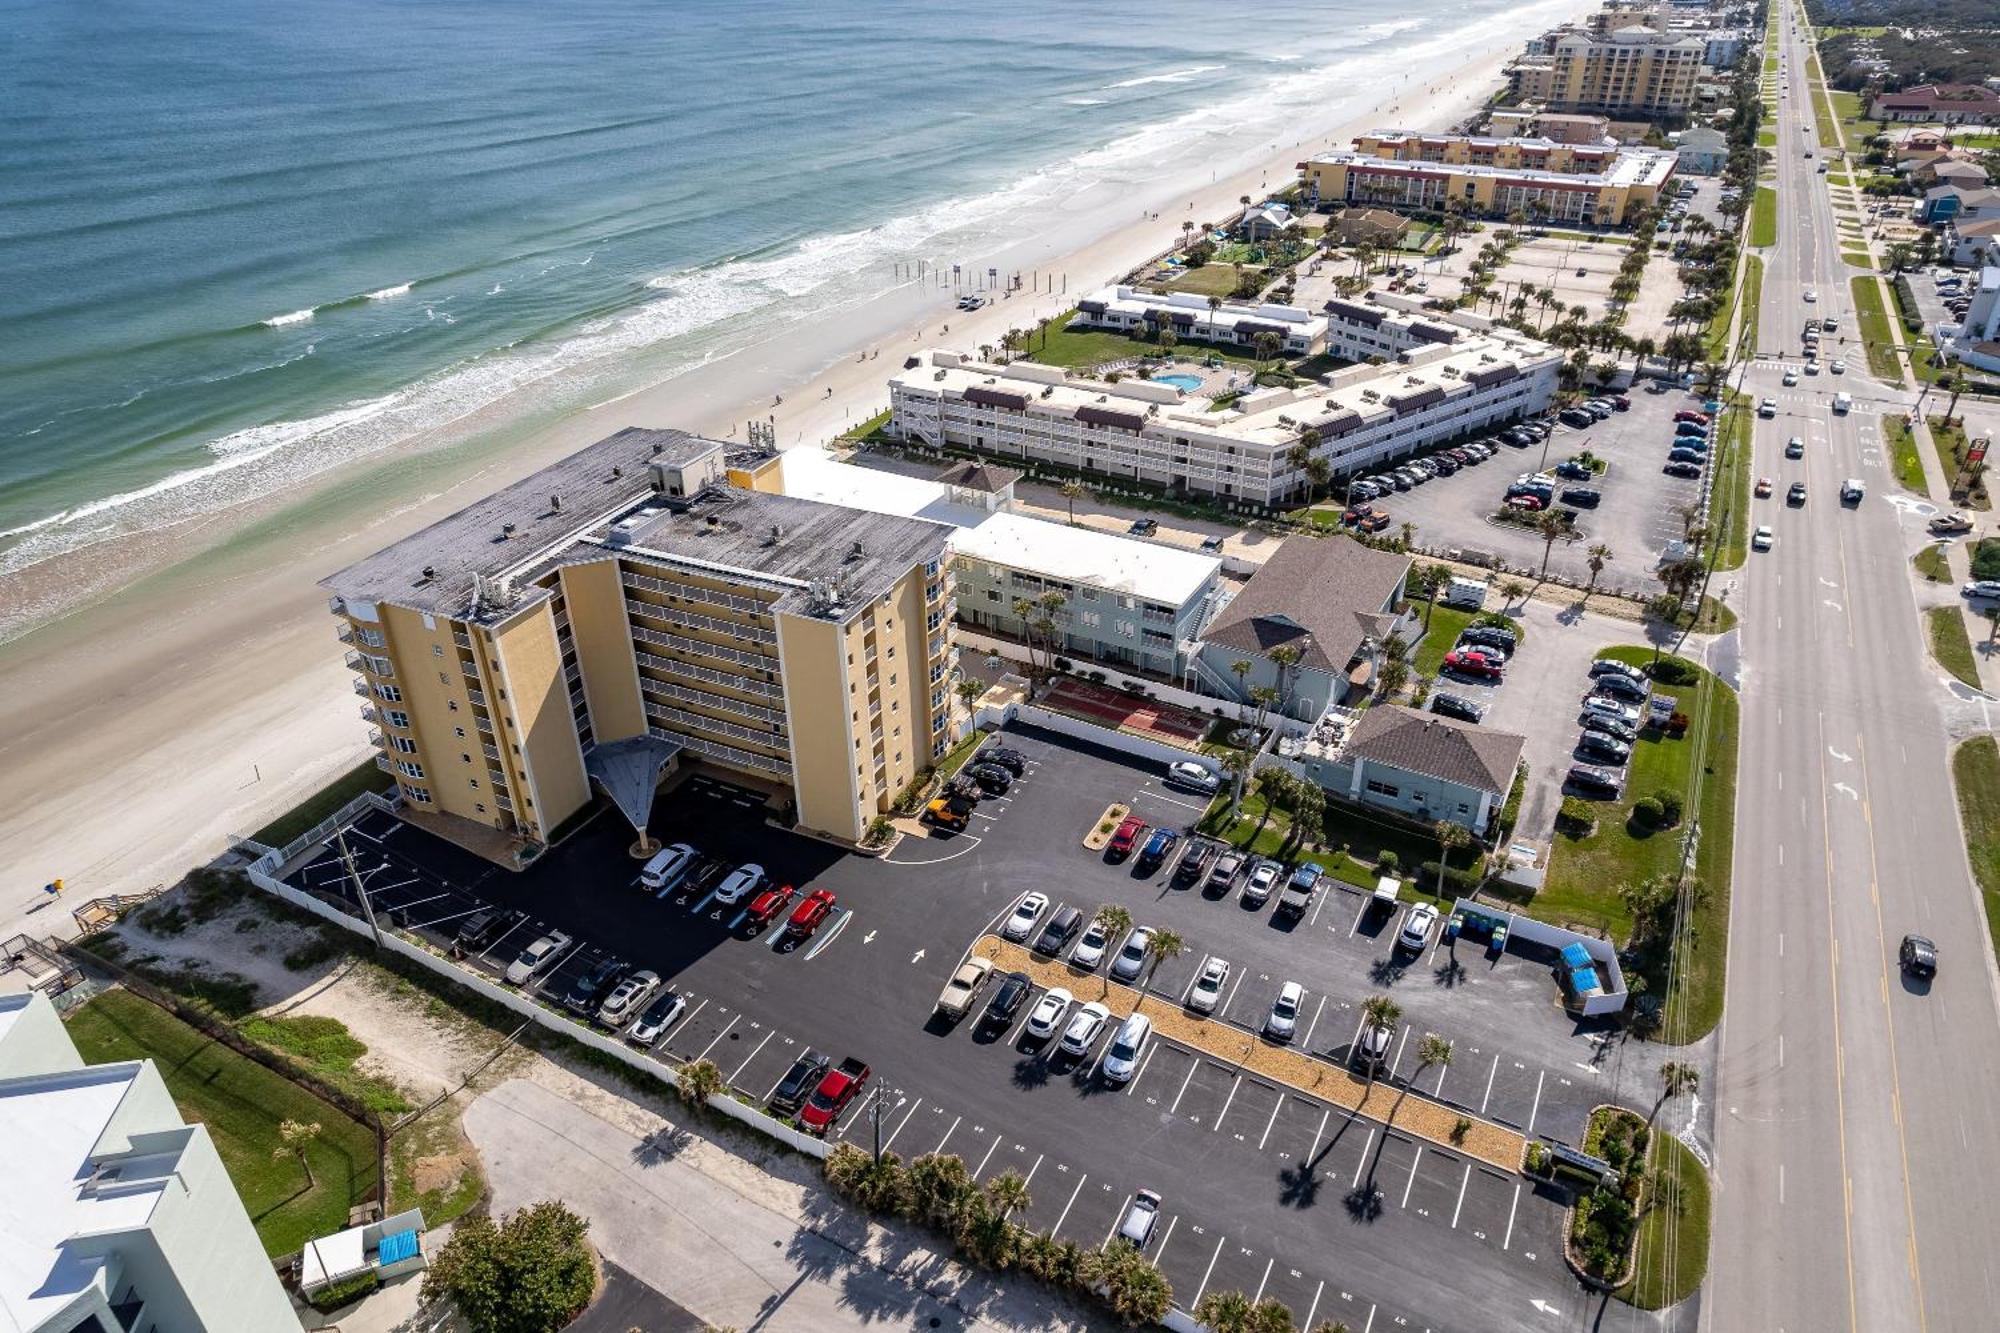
<point x="138" y="735"/>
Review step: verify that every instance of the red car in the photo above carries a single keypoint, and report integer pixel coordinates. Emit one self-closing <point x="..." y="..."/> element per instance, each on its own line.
<point x="768" y="906"/>
<point x="1127" y="837"/>
<point x="809" y="915"/>
<point x="1473" y="663"/>
<point x="835" y="1092"/>
<point x="1699" y="418"/>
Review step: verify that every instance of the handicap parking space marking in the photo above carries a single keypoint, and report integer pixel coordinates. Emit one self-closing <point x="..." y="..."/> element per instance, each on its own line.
<point x="830" y="933"/>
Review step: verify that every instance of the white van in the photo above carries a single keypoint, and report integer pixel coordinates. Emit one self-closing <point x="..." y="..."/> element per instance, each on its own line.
<point x="669" y="866"/>
<point x="1842" y="401"/>
<point x="1850" y="491"/>
<point x="1467" y="593"/>
<point x="1121" y="1058"/>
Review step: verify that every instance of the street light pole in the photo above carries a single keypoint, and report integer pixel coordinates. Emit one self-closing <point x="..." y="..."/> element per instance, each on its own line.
<point x="878" y="1131"/>
<point x="360" y="889"/>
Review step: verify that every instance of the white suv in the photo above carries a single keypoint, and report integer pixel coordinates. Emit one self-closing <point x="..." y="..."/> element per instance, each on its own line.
<point x="742" y="882"/>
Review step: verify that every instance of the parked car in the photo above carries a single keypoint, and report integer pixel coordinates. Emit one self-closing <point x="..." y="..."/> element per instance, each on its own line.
<point x="1573" y="471"/>
<point x="1611" y="666"/>
<point x="589" y="987"/>
<point x="627" y="998"/>
<point x="1981" y="589"/>
<point x="1696" y="456"/>
<point x="798" y="1082"/>
<point x="654" y="1020"/>
<point x="1297" y="895"/>
<point x="1950" y="525"/>
<point x="535" y="957"/>
<point x="1470" y="662"/>
<point x="1126" y="837"/>
<point x="1415" y="936"/>
<point x="1144" y="527"/>
<point x="1224" y="872"/>
<point x="1614" y="728"/>
<point x="479" y="930"/>
<point x="1458" y="706"/>
<point x="1059" y="931"/>
<point x="1028" y="911"/>
<point x="1012" y="760"/>
<point x="1576" y="418"/>
<point x="836" y="1092"/>
<point x="1283" y="1020"/>
<point x="1127" y="1049"/>
<point x="947" y="814"/>
<point x="1194" y="862"/>
<point x="1584" y="496"/>
<point x="1007" y="999"/>
<point x="1085" y="1026"/>
<point x="1682" y="469"/>
<point x="1160" y="845"/>
<point x="1491" y="636"/>
<point x="1131" y="959"/>
<point x="1190" y="776"/>
<point x="1602" y="749"/>
<point x="1622" y="687"/>
<point x="1089" y="950"/>
<point x="1206" y="992"/>
<point x="1689" y="414"/>
<point x="991" y="778"/>
<point x="810" y="915"/>
<point x="963" y="987"/>
<point x="768" y="906"/>
<point x="741" y="883"/>
<point x="1599" y="706"/>
<point x="1263" y="879"/>
<point x="669" y="866"/>
<point x="1049" y="1011"/>
<point x="1142" y="1216"/>
<point x="1593" y="781"/>
<point x="1371" y="1044"/>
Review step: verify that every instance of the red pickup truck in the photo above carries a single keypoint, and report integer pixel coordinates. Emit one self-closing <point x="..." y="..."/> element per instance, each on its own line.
<point x="836" y="1091"/>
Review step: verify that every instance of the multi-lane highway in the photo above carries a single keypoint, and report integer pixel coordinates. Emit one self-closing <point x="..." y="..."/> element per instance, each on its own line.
<point x="1857" y="1187"/>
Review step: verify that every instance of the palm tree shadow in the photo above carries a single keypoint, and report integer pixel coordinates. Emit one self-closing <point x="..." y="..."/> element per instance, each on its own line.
<point x="1363" y="1202"/>
<point x="1385" y="971"/>
<point x="1031" y="1072"/>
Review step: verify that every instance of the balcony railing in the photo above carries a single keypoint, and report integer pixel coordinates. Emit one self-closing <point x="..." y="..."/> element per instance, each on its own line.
<point x="377" y="666"/>
<point x="690" y="671"/>
<point x="368" y="713"/>
<point x="492" y="751"/>
<point x="728" y="754"/>
<point x="682" y="643"/>
<point x="344" y="632"/>
<point x="690" y="593"/>
<point x="376" y="738"/>
<point x="477" y="696"/>
<point x="504" y="804"/>
<point x="461" y="638"/>
<point x="735" y="629"/>
<point x="704" y="699"/>
<point x="361" y="688"/>
<point x="382" y="762"/>
<point x="337" y="605"/>
<point x="484" y="724"/>
<point x="702" y="721"/>
<point x="469" y="668"/>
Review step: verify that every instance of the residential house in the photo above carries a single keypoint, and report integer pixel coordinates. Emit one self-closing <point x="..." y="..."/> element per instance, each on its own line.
<point x="1939" y="104"/>
<point x="1953" y="203"/>
<point x="1331" y="601"/>
<point x="1266" y="222"/>
<point x="1702" y="151"/>
<point x="1417" y="764"/>
<point x="1369" y="226"/>
<point x="1975" y="244"/>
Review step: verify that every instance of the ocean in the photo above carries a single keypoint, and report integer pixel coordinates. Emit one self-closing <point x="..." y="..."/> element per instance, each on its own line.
<point x="242" y="245"/>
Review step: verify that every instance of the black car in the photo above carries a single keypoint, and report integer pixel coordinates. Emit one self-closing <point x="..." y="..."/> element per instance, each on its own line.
<point x="1491" y="636"/>
<point x="1144" y="527"/>
<point x="1684" y="455"/>
<point x="1622" y="687"/>
<point x="991" y="777"/>
<point x="1573" y="471"/>
<point x="1446" y="465"/>
<point x="1797" y="494"/>
<point x="480" y="929"/>
<point x="798" y="1083"/>
<point x="1194" y="863"/>
<point x="1682" y="469"/>
<point x="592" y="984"/>
<point x="1576" y="417"/>
<point x="1015" y="988"/>
<point x="1581" y="495"/>
<point x="1458" y="706"/>
<point x="1602" y="749"/>
<point x="1059" y="931"/>
<point x="1611" y="666"/>
<point x="1593" y="781"/>
<point x="1919" y="957"/>
<point x="1612" y="729"/>
<point x="1012" y="760"/>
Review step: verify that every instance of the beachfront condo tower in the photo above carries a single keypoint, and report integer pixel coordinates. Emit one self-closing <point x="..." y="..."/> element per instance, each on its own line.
<point x="651" y="592"/>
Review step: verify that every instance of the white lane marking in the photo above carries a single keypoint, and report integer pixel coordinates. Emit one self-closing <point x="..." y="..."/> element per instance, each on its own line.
<point x="1175" y="1108"/>
<point x="1323" y="1116"/>
<point x="890" y="1141"/>
<point x="1272" y="1121"/>
<point x="1365" y="1145"/>
<point x="1313" y="1309"/>
<point x="1116" y="1218"/>
<point x="1029" y="1178"/>
<point x="1513" y="1208"/>
<point x="980" y="1170"/>
<point x="1160" y="1251"/>
<point x="947" y="1136"/>
<point x="1307" y="1044"/>
<point x="1141" y="1071"/>
<point x="753" y="1055"/>
<point x="1263" y="1281"/>
<point x="1411" y="1183"/>
<point x="1207" y="1272"/>
<point x="1226" y="1101"/>
<point x="1072" y="1203"/>
<point x="1489" y="1085"/>
<point x="1460" y="1207"/>
<point x="718" y="1037"/>
<point x="1537" y="1110"/>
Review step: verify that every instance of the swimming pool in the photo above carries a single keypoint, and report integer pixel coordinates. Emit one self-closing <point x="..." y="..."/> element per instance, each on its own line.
<point x="1185" y="383"/>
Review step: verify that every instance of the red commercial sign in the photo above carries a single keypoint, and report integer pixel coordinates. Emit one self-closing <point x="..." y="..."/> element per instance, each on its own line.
<point x="1976" y="454"/>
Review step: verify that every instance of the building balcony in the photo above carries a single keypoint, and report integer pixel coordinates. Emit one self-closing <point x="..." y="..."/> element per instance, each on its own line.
<point x="498" y="780"/>
<point x="705" y="699"/>
<point x="368" y="713"/>
<point x="689" y="592"/>
<point x="461" y="638"/>
<point x="492" y="751"/>
<point x="735" y="629"/>
<point x="469" y="668"/>
<point x="344" y="632"/>
<point x="361" y="688"/>
<point x="484" y="724"/>
<point x="382" y="762"/>
<point x="689" y="671"/>
<point x="337" y="605"/>
<point x="376" y="738"/>
<point x="374" y="666"/>
<point x="681" y="717"/>
<point x="478" y="697"/>
<point x="728" y="754"/>
<point x="504" y="804"/>
<point x="682" y="643"/>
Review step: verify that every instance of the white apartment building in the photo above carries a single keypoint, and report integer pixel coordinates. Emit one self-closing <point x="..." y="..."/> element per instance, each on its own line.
<point x="116" y="1216"/>
<point x="1434" y="378"/>
<point x="1132" y="310"/>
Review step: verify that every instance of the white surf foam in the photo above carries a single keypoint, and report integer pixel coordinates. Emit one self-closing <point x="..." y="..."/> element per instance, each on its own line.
<point x="1170" y="76"/>
<point x="387" y="292"/>
<point x="296" y="317"/>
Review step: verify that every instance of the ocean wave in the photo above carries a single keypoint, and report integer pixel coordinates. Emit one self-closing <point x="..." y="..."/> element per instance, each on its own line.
<point x="1085" y="101"/>
<point x="402" y="289"/>
<point x="1171" y="76"/>
<point x="295" y="317"/>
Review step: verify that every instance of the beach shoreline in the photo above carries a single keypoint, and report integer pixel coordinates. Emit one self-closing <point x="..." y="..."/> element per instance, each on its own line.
<point x="138" y="734"/>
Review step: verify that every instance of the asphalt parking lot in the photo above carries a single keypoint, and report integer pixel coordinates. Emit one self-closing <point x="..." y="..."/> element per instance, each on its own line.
<point x="1257" y="1178"/>
<point x="1637" y="517"/>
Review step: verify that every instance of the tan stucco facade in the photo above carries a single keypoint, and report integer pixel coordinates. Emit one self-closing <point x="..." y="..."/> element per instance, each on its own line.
<point x="596" y="604"/>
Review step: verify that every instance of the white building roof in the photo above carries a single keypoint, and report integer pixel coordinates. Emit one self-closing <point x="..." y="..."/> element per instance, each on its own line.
<point x="1134" y="302"/>
<point x="50" y="1126"/>
<point x="812" y="474"/>
<point x="1149" y="570"/>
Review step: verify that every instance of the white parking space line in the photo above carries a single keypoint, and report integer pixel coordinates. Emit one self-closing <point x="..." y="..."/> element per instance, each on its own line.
<point x="772" y="1091"/>
<point x="1160" y="1251"/>
<point x="1323" y="1116"/>
<point x="1401" y="1042"/>
<point x="1112" y="1230"/>
<point x="1232" y="989"/>
<point x="1369" y="1327"/>
<point x="1365" y="1145"/>
<point x="1538" y="1101"/>
<point x="1209" y="1271"/>
<point x="1269" y="1123"/>
<point x="1027" y="1011"/>
<point x="1226" y="1101"/>
<point x="1184" y="1086"/>
<point x="1141" y="1072"/>
<point x="718" y="1037"/>
<point x="830" y="934"/>
<point x="1318" y="1291"/>
<point x="1264" y="1281"/>
<point x="752" y="1056"/>
<point x="906" y="1120"/>
<point x="1411" y="1183"/>
<point x="1511" y="1210"/>
<point x="487" y="956"/>
<point x="1307" y="1043"/>
<point x="1359" y="913"/>
<point x="1072" y="1203"/>
<point x="948" y="1133"/>
<point x="1489" y="1085"/>
<point x="1438" y="1091"/>
<point x="980" y="1170"/>
<point x="1318" y="903"/>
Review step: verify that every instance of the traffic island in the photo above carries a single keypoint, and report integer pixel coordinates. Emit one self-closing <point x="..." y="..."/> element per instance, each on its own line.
<point x="1412" y="1114"/>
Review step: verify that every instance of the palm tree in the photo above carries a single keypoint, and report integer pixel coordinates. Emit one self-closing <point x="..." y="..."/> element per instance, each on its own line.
<point x="1332" y="1326"/>
<point x="1285" y="659"/>
<point x="1432" y="1050"/>
<point x="1451" y="837"/>
<point x="1954" y="381"/>
<point x="1382" y="1013"/>
<point x="1599" y="557"/>
<point x="1024" y="611"/>
<point x="1676" y="1077"/>
<point x="1549" y="527"/>
<point x="1271" y="1315"/>
<point x="1164" y="945"/>
<point x="1431" y="582"/>
<point x="1214" y="304"/>
<point x="298" y="1136"/>
<point x="1241" y="669"/>
<point x="1008" y="1193"/>
<point x="1513" y="590"/>
<point x="1266" y="344"/>
<point x="1318" y="472"/>
<point x="1224" y="1312"/>
<point x="969" y="691"/>
<point x="936" y="1189"/>
<point x="1992" y="614"/>
<point x="1117" y="922"/>
<point x="698" y="1081"/>
<point x="1072" y="491"/>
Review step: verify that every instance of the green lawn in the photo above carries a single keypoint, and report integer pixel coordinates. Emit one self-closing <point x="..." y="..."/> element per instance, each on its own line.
<point x="1261" y="829"/>
<point x="1858" y="258"/>
<point x="1975" y="768"/>
<point x="242" y="1104"/>
<point x="1884" y="363"/>
<point x="1446" y="624"/>
<point x="1731" y="480"/>
<point x="1586" y="873"/>
<point x="362" y="777"/>
<point x="1058" y="345"/>
<point x="1950" y="644"/>
<point x="1767" y="138"/>
<point x="1687" y="1224"/>
<point x="1751" y="294"/>
<point x="1930" y="563"/>
<point x="1949" y="442"/>
<point x="1210" y="279"/>
<point x="1764" y="217"/>
<point x="1903" y="445"/>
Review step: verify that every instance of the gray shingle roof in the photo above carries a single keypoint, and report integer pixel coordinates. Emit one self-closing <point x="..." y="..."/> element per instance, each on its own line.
<point x="1437" y="747"/>
<point x="1319" y="594"/>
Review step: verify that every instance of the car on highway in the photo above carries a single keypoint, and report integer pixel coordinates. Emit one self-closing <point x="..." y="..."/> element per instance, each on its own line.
<point x="810" y="915"/>
<point x="1223" y="874"/>
<point x="1283" y="1020"/>
<point x="535" y="957"/>
<point x="1594" y="781"/>
<point x="1131" y="959"/>
<point x="1127" y="837"/>
<point x="1206" y="992"/>
<point x="741" y="883"/>
<point x="1790" y="377"/>
<point x="1810" y="296"/>
<point x="767" y="907"/>
<point x="654" y="1020"/>
<point x="1471" y="662"/>
<point x="1046" y="1017"/>
<point x="1085" y="1025"/>
<point x="1026" y="912"/>
<point x="1190" y="776"/>
<point x="1418" y="922"/>
<point x="1838" y="367"/>
<point x="1796" y="495"/>
<point x="1263" y="879"/>
<point x="1599" y="706"/>
<point x="798" y="1082"/>
<point x="1763" y="487"/>
<point x="1599" y="748"/>
<point x="1682" y="469"/>
<point x="1919" y="957"/>
<point x="1127" y="1049"/>
<point x="1059" y="931"/>
<point x="1159" y="846"/>
<point x="1089" y="950"/>
<point x="668" y="868"/>
<point x="1458" y="706"/>
<point x="1763" y="539"/>
<point x="1006" y="1001"/>
<point x="1767" y="407"/>
<point x="1142" y="1216"/>
<point x="1795" y="447"/>
<point x="836" y="1092"/>
<point x="627" y="998"/>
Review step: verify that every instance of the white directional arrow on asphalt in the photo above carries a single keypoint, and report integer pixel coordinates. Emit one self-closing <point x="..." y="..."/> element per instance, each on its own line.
<point x="1843" y="758"/>
<point x="869" y="938"/>
<point x="1847" y="791"/>
<point x="917" y="957"/>
<point x="1543" y="1307"/>
<point x="1830" y="602"/>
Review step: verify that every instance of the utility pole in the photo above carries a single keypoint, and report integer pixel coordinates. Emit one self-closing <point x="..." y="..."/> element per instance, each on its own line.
<point x="878" y="1131"/>
<point x="360" y="889"/>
